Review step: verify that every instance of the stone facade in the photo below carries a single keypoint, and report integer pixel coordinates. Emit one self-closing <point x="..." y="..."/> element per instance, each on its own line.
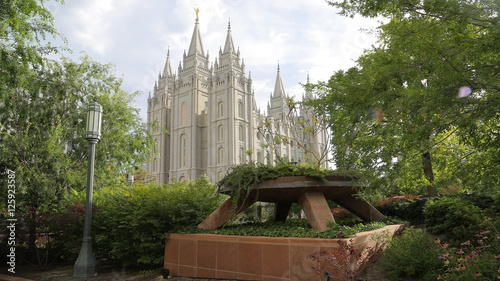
<point x="204" y="118"/>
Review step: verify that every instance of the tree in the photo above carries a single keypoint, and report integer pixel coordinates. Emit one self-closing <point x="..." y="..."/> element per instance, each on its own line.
<point x="23" y="24"/>
<point x="303" y="126"/>
<point x="43" y="112"/>
<point x="392" y="111"/>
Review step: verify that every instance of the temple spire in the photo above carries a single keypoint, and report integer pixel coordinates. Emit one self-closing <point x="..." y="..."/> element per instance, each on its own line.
<point x="229" y="45"/>
<point x="167" y="70"/>
<point x="279" y="90"/>
<point x="196" y="46"/>
<point x="309" y="94"/>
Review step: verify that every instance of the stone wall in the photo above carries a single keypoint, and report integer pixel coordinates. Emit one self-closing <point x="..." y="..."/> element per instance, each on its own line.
<point x="254" y="258"/>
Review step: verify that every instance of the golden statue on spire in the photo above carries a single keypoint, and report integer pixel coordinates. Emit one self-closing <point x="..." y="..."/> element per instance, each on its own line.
<point x="197" y="11"/>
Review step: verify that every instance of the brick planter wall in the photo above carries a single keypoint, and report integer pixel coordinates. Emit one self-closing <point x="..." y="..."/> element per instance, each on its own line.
<point x="252" y="257"/>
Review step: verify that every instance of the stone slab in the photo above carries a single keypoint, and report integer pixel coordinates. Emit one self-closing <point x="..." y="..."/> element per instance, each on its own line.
<point x="316" y="208"/>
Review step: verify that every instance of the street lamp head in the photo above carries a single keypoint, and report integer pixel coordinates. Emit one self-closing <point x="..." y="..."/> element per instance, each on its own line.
<point x="93" y="126"/>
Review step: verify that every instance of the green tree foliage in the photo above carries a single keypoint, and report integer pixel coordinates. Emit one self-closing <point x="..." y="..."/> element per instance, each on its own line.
<point x="43" y="111"/>
<point x="304" y="126"/>
<point x="396" y="114"/>
<point x="23" y="25"/>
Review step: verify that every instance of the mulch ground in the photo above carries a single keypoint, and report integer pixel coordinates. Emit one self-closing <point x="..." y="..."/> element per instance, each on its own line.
<point x="64" y="272"/>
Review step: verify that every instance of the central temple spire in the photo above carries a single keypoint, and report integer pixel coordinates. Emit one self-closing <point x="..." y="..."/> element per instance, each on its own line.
<point x="196" y="46"/>
<point x="229" y="45"/>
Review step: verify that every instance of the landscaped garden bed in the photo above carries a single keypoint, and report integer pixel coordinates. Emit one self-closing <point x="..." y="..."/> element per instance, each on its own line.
<point x="263" y="258"/>
<point x="278" y="249"/>
<point x="299" y="228"/>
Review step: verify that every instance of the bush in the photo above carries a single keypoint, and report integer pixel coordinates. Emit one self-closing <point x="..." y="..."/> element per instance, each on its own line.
<point x="66" y="229"/>
<point x="398" y="198"/>
<point x="50" y="225"/>
<point x="480" y="200"/>
<point x="457" y="218"/>
<point x="342" y="213"/>
<point x="496" y="203"/>
<point x="415" y="253"/>
<point x="293" y="228"/>
<point x="473" y="259"/>
<point x="130" y="223"/>
<point x="410" y="209"/>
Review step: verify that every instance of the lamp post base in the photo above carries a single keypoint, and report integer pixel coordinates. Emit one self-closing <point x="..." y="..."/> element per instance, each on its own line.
<point x="86" y="264"/>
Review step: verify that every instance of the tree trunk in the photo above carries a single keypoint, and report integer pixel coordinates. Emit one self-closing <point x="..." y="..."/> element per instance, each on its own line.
<point x="32" y="229"/>
<point x="429" y="174"/>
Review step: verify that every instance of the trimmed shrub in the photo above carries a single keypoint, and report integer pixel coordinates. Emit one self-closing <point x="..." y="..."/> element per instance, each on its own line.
<point x="480" y="200"/>
<point x="457" y="218"/>
<point x="414" y="253"/>
<point x="130" y="223"/>
<point x="410" y="209"/>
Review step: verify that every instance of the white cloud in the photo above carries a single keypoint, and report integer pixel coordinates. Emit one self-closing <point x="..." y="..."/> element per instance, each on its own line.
<point x="135" y="35"/>
<point x="91" y="25"/>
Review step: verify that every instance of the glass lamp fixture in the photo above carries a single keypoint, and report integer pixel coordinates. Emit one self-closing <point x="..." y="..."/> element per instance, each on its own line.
<point x="93" y="126"/>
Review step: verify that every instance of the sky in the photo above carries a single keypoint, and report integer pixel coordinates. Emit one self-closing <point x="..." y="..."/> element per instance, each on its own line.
<point x="304" y="37"/>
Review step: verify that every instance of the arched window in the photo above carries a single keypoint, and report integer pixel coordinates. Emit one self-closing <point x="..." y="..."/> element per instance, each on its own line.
<point x="183" y="156"/>
<point x="242" y="155"/>
<point x="182" y="178"/>
<point x="220" y="133"/>
<point x="221" y="176"/>
<point x="268" y="158"/>
<point x="184" y="114"/>
<point x="220" y="156"/>
<point x="241" y="112"/>
<point x="155" y="150"/>
<point x="241" y="132"/>
<point x="220" y="109"/>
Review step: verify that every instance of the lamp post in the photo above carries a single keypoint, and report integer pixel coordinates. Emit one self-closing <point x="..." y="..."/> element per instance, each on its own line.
<point x="85" y="265"/>
<point x="131" y="178"/>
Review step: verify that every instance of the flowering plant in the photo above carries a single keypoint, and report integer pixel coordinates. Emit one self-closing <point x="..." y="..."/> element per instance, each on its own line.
<point x="472" y="260"/>
<point x="346" y="260"/>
